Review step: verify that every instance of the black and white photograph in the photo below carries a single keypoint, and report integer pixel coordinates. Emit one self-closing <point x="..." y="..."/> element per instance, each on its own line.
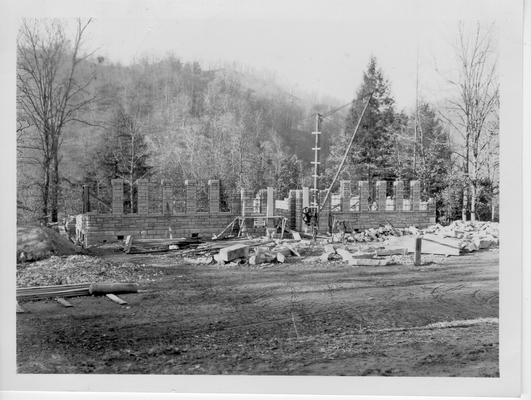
<point x="265" y="189"/>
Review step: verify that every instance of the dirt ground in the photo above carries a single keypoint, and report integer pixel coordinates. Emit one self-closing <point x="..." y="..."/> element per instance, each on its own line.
<point x="283" y="319"/>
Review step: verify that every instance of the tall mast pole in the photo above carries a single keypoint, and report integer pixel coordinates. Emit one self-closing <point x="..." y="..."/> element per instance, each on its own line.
<point x="416" y="115"/>
<point x="316" y="163"/>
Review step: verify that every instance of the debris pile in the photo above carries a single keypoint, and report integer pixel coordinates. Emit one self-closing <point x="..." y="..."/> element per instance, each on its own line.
<point x="80" y="269"/>
<point x="141" y="246"/>
<point x="379" y="234"/>
<point x="471" y="236"/>
<point x="381" y="246"/>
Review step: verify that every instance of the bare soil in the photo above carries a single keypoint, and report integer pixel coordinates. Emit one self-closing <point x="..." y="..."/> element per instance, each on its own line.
<point x="283" y="319"/>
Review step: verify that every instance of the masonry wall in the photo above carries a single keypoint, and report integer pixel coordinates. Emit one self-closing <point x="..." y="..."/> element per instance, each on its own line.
<point x="99" y="228"/>
<point x="179" y="217"/>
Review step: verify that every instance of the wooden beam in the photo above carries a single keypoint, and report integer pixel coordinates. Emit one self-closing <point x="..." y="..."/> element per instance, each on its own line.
<point x="116" y="299"/>
<point x="63" y="302"/>
<point x="20" y="310"/>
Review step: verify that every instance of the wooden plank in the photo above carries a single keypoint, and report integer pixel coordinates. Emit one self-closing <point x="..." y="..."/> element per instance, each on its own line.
<point x="116" y="299"/>
<point x="63" y="302"/>
<point x="296" y="235"/>
<point x="235" y="251"/>
<point x="128" y="244"/>
<point x="20" y="309"/>
<point x="52" y="292"/>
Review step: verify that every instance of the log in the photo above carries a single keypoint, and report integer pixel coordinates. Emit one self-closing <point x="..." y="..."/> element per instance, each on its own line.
<point x="98" y="289"/>
<point x="235" y="251"/>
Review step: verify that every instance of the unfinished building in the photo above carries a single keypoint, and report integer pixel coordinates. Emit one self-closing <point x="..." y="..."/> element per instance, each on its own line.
<point x="177" y="213"/>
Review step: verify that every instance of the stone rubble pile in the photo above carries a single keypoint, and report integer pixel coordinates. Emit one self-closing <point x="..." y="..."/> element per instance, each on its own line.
<point x="473" y="236"/>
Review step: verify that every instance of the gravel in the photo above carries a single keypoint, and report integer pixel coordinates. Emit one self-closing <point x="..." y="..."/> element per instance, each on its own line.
<point x="80" y="269"/>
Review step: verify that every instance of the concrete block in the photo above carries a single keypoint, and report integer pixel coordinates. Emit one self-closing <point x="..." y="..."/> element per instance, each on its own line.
<point x="235" y="251"/>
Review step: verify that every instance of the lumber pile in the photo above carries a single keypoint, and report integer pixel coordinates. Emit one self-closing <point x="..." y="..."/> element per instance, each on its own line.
<point x="139" y="246"/>
<point x="75" y="290"/>
<point x="44" y="292"/>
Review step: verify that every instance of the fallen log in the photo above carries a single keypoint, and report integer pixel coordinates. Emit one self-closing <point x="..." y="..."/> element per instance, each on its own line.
<point x="112" y="288"/>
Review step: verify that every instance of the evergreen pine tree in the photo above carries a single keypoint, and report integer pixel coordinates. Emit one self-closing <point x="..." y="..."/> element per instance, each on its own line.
<point x="372" y="153"/>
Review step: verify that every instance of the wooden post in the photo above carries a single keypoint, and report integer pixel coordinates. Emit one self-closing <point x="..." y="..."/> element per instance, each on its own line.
<point x="418" y="251"/>
<point x="86" y="199"/>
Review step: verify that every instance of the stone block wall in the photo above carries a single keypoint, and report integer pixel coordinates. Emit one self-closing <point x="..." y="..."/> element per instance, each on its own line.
<point x="93" y="228"/>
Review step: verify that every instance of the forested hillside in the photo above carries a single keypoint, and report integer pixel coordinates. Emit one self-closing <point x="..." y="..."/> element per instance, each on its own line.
<point x="196" y="124"/>
<point x="85" y="119"/>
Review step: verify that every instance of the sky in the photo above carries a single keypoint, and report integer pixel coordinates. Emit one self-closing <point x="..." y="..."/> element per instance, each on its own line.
<point x="325" y="58"/>
<point x="313" y="46"/>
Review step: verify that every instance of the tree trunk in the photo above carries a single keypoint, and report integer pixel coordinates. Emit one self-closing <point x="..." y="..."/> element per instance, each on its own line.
<point x="465" y="202"/>
<point x="473" y="190"/>
<point x="54" y="195"/>
<point x="492" y="207"/>
<point x="467" y="180"/>
<point x="473" y="186"/>
<point x="131" y="172"/>
<point x="45" y="190"/>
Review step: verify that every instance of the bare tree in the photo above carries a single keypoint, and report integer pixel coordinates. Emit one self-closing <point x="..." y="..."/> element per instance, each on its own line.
<point x="124" y="152"/>
<point x="50" y="96"/>
<point x="475" y="105"/>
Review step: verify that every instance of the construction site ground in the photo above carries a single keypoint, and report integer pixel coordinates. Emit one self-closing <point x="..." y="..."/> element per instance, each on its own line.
<point x="295" y="318"/>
